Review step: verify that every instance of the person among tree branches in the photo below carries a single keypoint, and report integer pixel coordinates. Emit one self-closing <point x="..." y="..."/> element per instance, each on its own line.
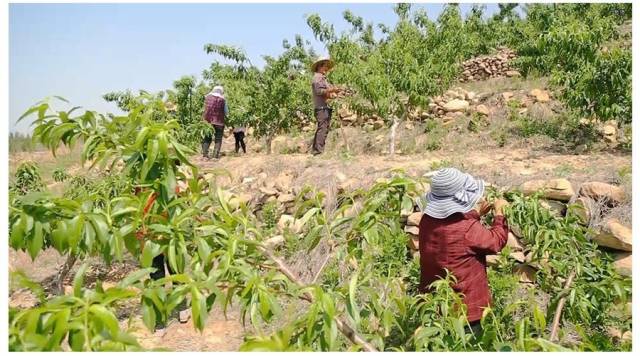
<point x="215" y="111"/>
<point x="238" y="134"/>
<point x="322" y="91"/>
<point x="453" y="239"/>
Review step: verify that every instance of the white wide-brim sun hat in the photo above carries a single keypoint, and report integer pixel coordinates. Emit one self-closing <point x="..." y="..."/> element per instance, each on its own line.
<point x="452" y="192"/>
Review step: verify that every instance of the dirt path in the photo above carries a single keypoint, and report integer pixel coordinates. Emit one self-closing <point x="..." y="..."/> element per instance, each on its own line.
<point x="501" y="167"/>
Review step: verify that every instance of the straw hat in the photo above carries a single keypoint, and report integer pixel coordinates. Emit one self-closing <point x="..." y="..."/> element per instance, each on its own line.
<point x="452" y="192"/>
<point x="318" y="62"/>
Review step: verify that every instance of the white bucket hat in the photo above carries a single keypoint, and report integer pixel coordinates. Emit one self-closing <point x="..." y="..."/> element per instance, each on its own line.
<point x="452" y="192"/>
<point x="218" y="90"/>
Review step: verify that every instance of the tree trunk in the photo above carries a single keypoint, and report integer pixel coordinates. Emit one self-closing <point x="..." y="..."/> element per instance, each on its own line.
<point x="269" y="140"/>
<point x="64" y="271"/>
<point x="344" y="136"/>
<point x="392" y="137"/>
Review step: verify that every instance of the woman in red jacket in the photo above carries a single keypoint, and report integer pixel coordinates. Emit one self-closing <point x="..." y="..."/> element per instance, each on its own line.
<point x="453" y="239"/>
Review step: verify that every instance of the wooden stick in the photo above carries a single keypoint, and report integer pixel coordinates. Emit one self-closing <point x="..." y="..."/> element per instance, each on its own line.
<point x="345" y="329"/>
<point x="556" y="317"/>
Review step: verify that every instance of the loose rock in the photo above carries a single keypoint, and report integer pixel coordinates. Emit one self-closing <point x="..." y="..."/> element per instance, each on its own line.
<point x="492" y="260"/>
<point x="482" y="109"/>
<point x="507" y="95"/>
<point x="275" y="241"/>
<point x="414" y="219"/>
<point x="518" y="256"/>
<point x="456" y="105"/>
<point x="599" y="190"/>
<point x="413" y="230"/>
<point x="582" y="207"/>
<point x="622" y="263"/>
<point x="286" y="198"/>
<point x="555" y="207"/>
<point x="514" y="243"/>
<point x="268" y="191"/>
<point x="527" y="274"/>
<point x="413" y="243"/>
<point x="556" y="189"/>
<point x="541" y="96"/>
<point x="287" y="221"/>
<point x="614" y="235"/>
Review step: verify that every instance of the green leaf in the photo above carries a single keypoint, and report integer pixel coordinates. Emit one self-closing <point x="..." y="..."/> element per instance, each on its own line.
<point x="106" y="317"/>
<point x="170" y="182"/>
<point x="198" y="308"/>
<point x="30" y="111"/>
<point x="148" y="314"/>
<point x="37" y="241"/>
<point x="305" y="218"/>
<point x="59" y="237"/>
<point x="171" y="255"/>
<point x="539" y="318"/>
<point x="459" y="329"/>
<point x="352" y="307"/>
<point x="60" y="329"/>
<point x="16" y="237"/>
<point x="123" y="211"/>
<point x="160" y="229"/>
<point x="313" y="237"/>
<point x="150" y="251"/>
<point x="100" y="227"/>
<point x="142" y="136"/>
<point x="150" y="159"/>
<point x="135" y="277"/>
<point x="76" y="340"/>
<point x="78" y="281"/>
<point x="203" y="249"/>
<point x="209" y="230"/>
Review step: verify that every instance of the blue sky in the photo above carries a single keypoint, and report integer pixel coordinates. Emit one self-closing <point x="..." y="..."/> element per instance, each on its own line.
<point x="81" y="51"/>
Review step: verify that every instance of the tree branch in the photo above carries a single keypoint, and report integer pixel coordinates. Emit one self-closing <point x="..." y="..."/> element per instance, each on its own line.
<point x="345" y="329"/>
<point x="556" y="317"/>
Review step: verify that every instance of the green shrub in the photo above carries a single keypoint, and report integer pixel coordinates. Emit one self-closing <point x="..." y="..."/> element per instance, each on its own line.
<point x="27" y="179"/>
<point x="60" y="175"/>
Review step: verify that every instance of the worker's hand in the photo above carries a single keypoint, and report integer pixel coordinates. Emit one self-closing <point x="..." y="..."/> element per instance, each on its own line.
<point x="498" y="206"/>
<point x="484" y="207"/>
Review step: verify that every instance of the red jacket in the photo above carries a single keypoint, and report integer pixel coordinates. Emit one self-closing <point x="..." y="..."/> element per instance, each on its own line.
<point x="214" y="110"/>
<point x="459" y="243"/>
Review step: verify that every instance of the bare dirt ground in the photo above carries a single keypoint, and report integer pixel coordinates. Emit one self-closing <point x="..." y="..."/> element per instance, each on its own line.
<point x="498" y="166"/>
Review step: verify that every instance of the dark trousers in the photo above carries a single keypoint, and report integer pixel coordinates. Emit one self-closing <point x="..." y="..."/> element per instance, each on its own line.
<point x="474" y="328"/>
<point x="206" y="142"/>
<point x="239" y="136"/>
<point x="158" y="264"/>
<point x="324" y="121"/>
